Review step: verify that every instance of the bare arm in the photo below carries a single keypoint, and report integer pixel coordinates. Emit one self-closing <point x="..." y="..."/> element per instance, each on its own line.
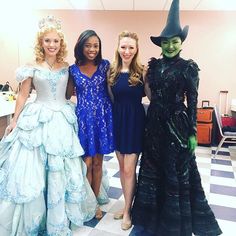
<point x="110" y="93"/>
<point x="70" y="88"/>
<point x="20" y="102"/>
<point x="109" y="87"/>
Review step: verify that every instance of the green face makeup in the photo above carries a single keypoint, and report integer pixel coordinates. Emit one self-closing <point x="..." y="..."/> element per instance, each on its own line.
<point x="171" y="46"/>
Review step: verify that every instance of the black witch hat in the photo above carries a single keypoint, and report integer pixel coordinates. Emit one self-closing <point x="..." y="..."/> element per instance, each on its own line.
<point x="173" y="27"/>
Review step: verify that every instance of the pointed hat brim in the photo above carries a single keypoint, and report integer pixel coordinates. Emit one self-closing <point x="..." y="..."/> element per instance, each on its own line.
<point x="182" y="34"/>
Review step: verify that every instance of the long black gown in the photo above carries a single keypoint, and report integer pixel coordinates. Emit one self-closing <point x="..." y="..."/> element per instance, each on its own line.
<point x="169" y="199"/>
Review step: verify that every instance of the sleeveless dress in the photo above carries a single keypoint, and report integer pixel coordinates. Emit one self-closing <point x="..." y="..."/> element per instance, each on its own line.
<point x="128" y="115"/>
<point x="169" y="199"/>
<point x="94" y="114"/>
<point x="43" y="184"/>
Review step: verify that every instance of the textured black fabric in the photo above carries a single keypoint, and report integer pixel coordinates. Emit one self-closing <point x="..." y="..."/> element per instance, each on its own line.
<point x="169" y="199"/>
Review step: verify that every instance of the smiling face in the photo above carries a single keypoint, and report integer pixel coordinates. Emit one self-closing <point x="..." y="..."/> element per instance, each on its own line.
<point x="51" y="43"/>
<point x="91" y="48"/>
<point x="171" y="46"/>
<point x="127" y="49"/>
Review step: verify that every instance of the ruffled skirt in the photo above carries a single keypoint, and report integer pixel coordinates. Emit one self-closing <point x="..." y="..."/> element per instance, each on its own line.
<point x="43" y="184"/>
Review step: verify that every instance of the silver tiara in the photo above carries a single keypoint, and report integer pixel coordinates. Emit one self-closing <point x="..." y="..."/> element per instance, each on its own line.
<point x="50" y="22"/>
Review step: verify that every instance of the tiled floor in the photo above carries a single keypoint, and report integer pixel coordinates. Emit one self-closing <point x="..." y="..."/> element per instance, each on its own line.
<point x="218" y="179"/>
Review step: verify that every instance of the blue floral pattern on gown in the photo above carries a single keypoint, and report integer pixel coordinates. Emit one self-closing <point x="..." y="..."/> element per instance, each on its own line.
<point x="94" y="110"/>
<point x="43" y="184"/>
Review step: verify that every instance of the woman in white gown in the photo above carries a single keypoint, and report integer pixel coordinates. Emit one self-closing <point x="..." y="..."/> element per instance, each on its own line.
<point x="43" y="184"/>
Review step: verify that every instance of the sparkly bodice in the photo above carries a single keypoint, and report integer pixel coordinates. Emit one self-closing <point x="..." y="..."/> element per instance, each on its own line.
<point x="50" y="85"/>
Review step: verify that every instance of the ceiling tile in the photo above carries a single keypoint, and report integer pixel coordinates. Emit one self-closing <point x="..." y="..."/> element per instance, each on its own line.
<point x="118" y="4"/>
<point x="49" y="4"/>
<point x="184" y="4"/>
<point x="86" y="4"/>
<point x="36" y="4"/>
<point x="145" y="5"/>
<point x="149" y="5"/>
<point x="217" y="5"/>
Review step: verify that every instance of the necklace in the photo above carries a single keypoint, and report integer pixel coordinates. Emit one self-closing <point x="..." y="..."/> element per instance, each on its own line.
<point x="124" y="70"/>
<point x="50" y="65"/>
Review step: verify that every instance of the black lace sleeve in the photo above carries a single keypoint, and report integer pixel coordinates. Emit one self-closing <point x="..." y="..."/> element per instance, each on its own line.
<point x="151" y="68"/>
<point x="192" y="82"/>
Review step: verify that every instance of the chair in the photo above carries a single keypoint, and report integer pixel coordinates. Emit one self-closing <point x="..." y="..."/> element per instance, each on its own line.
<point x="227" y="137"/>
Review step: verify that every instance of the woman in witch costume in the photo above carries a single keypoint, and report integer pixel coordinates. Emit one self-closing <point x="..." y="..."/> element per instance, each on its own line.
<point x="170" y="200"/>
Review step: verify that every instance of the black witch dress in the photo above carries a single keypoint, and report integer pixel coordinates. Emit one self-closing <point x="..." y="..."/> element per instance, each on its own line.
<point x="169" y="199"/>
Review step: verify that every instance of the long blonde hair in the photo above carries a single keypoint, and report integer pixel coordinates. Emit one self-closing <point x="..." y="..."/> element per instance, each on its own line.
<point x="38" y="49"/>
<point x="136" y="68"/>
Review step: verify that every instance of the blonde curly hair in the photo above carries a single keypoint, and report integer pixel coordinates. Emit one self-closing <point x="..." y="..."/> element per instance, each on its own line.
<point x="38" y="49"/>
<point x="136" y="68"/>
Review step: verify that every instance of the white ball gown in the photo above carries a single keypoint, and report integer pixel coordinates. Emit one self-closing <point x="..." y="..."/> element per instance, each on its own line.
<point x="43" y="184"/>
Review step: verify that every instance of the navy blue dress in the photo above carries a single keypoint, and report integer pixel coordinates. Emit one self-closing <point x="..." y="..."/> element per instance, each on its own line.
<point x="128" y="115"/>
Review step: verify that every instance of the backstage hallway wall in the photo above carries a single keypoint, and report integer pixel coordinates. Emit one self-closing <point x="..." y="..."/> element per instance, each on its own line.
<point x="211" y="41"/>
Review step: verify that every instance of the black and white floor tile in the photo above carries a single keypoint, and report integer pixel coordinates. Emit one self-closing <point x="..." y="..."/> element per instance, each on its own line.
<point x="218" y="179"/>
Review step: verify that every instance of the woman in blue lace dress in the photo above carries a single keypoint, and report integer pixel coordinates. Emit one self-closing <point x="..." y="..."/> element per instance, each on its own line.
<point x="43" y="184"/>
<point x="94" y="109"/>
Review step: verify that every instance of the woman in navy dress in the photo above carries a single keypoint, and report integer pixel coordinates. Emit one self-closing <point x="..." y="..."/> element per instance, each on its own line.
<point x="94" y="109"/>
<point x="127" y="90"/>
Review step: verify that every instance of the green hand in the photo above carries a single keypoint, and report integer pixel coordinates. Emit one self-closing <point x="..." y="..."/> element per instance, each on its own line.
<point x="192" y="143"/>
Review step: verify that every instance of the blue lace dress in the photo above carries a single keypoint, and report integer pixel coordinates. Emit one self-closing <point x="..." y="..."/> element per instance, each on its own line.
<point x="94" y="110"/>
<point x="43" y="184"/>
<point x="94" y="114"/>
